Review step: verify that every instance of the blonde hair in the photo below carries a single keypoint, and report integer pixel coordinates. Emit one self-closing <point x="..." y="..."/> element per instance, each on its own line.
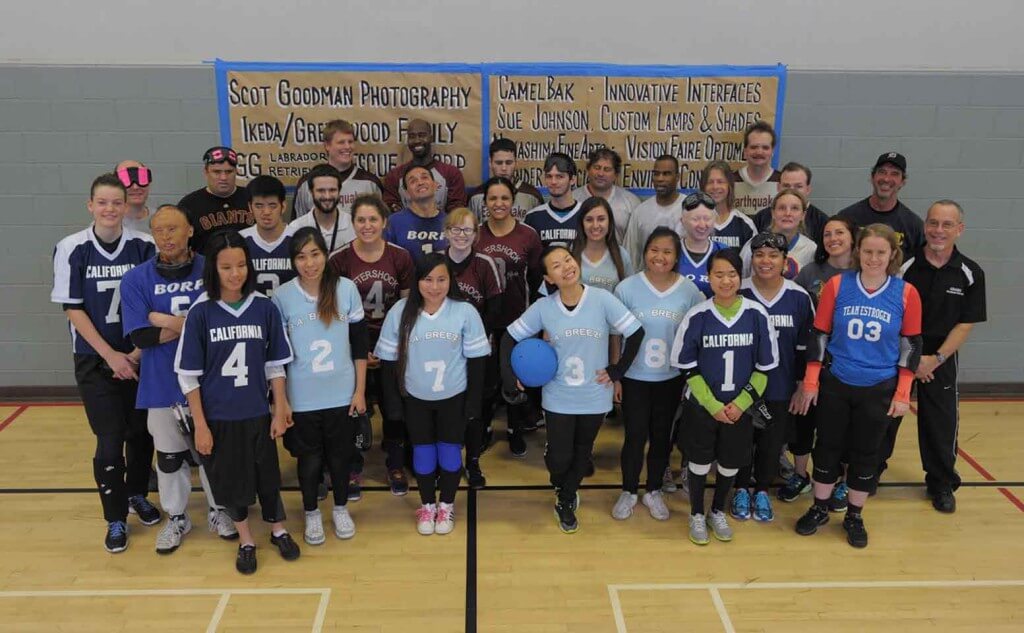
<point x="791" y="192"/>
<point x="459" y="215"/>
<point x="885" y="232"/>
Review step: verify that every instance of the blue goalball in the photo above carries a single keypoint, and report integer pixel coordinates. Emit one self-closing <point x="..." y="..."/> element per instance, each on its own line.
<point x="534" y="361"/>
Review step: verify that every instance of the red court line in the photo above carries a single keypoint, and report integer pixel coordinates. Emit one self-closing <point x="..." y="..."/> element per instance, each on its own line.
<point x="12" y="417"/>
<point x="988" y="476"/>
<point x="40" y="404"/>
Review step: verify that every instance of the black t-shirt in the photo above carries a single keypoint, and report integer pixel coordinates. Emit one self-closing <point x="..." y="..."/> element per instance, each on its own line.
<point x="814" y="222"/>
<point x="952" y="294"/>
<point x="908" y="226"/>
<point x="209" y="213"/>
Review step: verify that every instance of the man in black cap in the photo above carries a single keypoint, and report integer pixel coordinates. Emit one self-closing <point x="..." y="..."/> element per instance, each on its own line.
<point x="221" y="204"/>
<point x="887" y="178"/>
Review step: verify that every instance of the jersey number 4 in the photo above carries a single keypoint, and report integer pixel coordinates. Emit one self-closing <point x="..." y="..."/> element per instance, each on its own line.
<point x="235" y="367"/>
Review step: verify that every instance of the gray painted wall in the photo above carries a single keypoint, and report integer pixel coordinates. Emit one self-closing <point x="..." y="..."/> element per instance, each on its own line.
<point x="963" y="135"/>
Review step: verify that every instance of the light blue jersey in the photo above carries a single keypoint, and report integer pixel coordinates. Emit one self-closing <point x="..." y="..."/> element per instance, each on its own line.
<point x="602" y="273"/>
<point x="439" y="345"/>
<point x="322" y="375"/>
<point x="580" y="339"/>
<point x="660" y="313"/>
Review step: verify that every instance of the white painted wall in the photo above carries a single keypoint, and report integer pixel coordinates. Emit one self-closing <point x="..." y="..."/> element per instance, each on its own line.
<point x="805" y="34"/>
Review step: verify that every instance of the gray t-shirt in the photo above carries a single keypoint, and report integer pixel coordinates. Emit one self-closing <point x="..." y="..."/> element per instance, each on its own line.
<point x="814" y="275"/>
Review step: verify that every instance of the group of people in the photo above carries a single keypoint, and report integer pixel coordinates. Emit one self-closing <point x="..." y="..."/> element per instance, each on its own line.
<point x="207" y="329"/>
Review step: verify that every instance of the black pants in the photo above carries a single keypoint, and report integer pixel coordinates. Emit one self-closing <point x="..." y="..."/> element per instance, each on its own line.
<point x="767" y="446"/>
<point x="124" y="447"/>
<point x="319" y="438"/>
<point x="431" y="422"/>
<point x="938" y="422"/>
<point x="570" y="444"/>
<point x="801" y="436"/>
<point x="648" y="408"/>
<point x="851" y="421"/>
<point x="393" y="433"/>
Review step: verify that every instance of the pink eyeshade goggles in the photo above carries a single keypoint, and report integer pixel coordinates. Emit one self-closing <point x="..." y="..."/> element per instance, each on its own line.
<point x="141" y="176"/>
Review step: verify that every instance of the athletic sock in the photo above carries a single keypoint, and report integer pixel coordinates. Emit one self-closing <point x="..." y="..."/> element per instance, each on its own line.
<point x="449" y="485"/>
<point x="279" y="533"/>
<point x="428" y="488"/>
<point x="697" y="484"/>
<point x="723" y="485"/>
<point x="853" y="511"/>
<point x="822" y="504"/>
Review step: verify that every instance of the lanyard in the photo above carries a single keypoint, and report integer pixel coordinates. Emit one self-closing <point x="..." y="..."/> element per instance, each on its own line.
<point x="334" y="234"/>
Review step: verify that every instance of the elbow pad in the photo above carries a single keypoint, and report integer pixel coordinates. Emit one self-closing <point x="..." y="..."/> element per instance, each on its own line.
<point x="817" y="346"/>
<point x="910" y="352"/>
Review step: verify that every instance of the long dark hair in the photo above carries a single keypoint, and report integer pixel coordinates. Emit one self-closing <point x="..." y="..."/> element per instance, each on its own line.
<point x="327" y="293"/>
<point x="821" y="255"/>
<point x="414" y="304"/>
<point x="219" y="241"/>
<point x="664" y="231"/>
<point x="611" y="242"/>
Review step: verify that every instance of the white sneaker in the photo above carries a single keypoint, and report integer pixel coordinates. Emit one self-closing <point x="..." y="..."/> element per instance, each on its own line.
<point x="445" y="521"/>
<point x="220" y="523"/>
<point x="173" y="532"/>
<point x="425" y="518"/>
<point x="344" y="527"/>
<point x="314" y="533"/>
<point x="623" y="508"/>
<point x="655" y="503"/>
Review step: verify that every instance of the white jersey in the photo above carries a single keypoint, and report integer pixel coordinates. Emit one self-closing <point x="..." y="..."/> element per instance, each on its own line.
<point x="648" y="216"/>
<point x="622" y="202"/>
<point x="602" y="273"/>
<point x="335" y="236"/>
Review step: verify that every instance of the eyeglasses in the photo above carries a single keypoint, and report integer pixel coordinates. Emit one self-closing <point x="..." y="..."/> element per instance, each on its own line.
<point x="697" y="199"/>
<point x="771" y="240"/>
<point x="461" y="230"/>
<point x="141" y="176"/>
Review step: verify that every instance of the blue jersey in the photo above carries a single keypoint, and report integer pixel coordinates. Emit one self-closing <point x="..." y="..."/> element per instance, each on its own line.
<point x="735" y="231"/>
<point x="580" y="339"/>
<point x="553" y="227"/>
<point x="726" y="352"/>
<point x="145" y="290"/>
<point x="322" y="375"/>
<point x="85" y="274"/>
<point x="697" y="270"/>
<point x="271" y="260"/>
<point x="660" y="313"/>
<point x="439" y="345"/>
<point x="419" y="236"/>
<point x="865" y="328"/>
<point x="229" y="350"/>
<point x="602" y="273"/>
<point x="791" y="313"/>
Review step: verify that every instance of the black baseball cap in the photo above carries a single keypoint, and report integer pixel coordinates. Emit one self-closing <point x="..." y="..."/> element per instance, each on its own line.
<point x="892" y="158"/>
<point x="220" y="154"/>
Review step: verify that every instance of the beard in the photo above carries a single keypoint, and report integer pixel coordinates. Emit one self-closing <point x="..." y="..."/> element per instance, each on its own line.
<point x="325" y="205"/>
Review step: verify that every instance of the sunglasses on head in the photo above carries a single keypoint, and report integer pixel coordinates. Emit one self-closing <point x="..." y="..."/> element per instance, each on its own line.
<point x="697" y="199"/>
<point x="771" y="240"/>
<point x="141" y="176"/>
<point x="220" y="155"/>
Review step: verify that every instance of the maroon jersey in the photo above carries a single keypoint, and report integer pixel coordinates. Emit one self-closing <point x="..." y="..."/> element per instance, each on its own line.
<point x="379" y="283"/>
<point x="517" y="256"/>
<point x="478" y="279"/>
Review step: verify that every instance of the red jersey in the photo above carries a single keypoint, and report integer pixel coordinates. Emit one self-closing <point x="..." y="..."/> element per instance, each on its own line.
<point x="478" y="279"/>
<point x="517" y="256"/>
<point x="379" y="283"/>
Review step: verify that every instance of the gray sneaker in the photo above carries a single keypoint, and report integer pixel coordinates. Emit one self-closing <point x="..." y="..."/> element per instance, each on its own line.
<point x="668" y="481"/>
<point x="698" y="529"/>
<point x="720" y="526"/>
<point x="173" y="532"/>
<point x="314" y="532"/>
<point x="655" y="503"/>
<point x="344" y="526"/>
<point x="624" y="506"/>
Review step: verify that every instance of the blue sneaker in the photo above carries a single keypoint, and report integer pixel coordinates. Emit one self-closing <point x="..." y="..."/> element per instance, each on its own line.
<point x="838" y="501"/>
<point x="795" y="486"/>
<point x="763" y="507"/>
<point x="117" y="537"/>
<point x="740" y="505"/>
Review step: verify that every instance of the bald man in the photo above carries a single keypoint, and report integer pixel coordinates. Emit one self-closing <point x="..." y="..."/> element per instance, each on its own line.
<point x="451" y="186"/>
<point x="136" y="179"/>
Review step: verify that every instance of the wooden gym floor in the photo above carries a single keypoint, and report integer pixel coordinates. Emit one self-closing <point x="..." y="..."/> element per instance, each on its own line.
<point x="507" y="567"/>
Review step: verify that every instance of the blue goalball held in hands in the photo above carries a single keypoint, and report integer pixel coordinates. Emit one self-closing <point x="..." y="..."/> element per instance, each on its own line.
<point x="534" y="361"/>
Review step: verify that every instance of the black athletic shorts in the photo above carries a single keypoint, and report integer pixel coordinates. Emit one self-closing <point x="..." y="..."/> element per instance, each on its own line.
<point x="704" y="440"/>
<point x="244" y="459"/>
<point x="319" y="431"/>
<point x="432" y="421"/>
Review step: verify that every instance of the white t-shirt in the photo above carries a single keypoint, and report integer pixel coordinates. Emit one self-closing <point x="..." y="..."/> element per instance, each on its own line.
<point x="345" y="232"/>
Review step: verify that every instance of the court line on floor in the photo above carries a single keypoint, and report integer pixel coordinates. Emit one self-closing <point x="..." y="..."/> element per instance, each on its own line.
<point x="471" y="533"/>
<point x="13" y="416"/>
<point x="225" y="595"/>
<point x="714" y="590"/>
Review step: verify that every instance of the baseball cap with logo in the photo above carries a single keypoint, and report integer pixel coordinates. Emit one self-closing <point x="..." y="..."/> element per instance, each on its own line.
<point x="891" y="158"/>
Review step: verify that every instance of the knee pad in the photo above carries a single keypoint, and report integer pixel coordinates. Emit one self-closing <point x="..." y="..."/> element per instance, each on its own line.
<point x="825" y="474"/>
<point x="699" y="469"/>
<point x="861" y="479"/>
<point x="171" y="463"/>
<point x="449" y="456"/>
<point x="727" y="472"/>
<point x="424" y="459"/>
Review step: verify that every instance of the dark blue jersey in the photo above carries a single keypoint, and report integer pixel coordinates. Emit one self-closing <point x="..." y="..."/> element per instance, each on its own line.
<point x="419" y="236"/>
<point x="554" y="227"/>
<point x="145" y="290"/>
<point x="792" y="315"/>
<point x="272" y="260"/>
<point x="228" y="350"/>
<point x="85" y="274"/>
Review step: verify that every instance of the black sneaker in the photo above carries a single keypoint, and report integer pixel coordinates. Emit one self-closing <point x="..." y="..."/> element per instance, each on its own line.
<point x="794" y="487"/>
<point x="856" y="534"/>
<point x="517" y="444"/>
<point x="245" y="562"/>
<point x="944" y="501"/>
<point x="117" y="537"/>
<point x="566" y="518"/>
<point x="398" y="482"/>
<point x="474" y="476"/>
<point x="148" y="514"/>
<point x="286" y="545"/>
<point x="810" y="522"/>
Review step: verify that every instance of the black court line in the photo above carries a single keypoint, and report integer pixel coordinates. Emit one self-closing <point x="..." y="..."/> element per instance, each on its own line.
<point x="471" y="561"/>
<point x="520" y="488"/>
